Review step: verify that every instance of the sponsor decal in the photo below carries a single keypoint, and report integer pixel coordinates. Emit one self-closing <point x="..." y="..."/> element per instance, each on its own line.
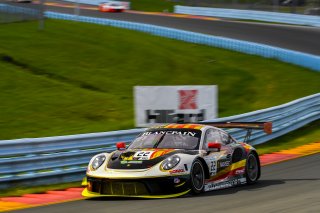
<point x="239" y="171"/>
<point x="175" y="171"/>
<point x="188" y="99"/>
<point x="224" y="163"/>
<point x="224" y="184"/>
<point x="184" y="133"/>
<point x="143" y="155"/>
<point x="174" y="104"/>
<point x="130" y="161"/>
<point x="171" y="116"/>
<point x="176" y="180"/>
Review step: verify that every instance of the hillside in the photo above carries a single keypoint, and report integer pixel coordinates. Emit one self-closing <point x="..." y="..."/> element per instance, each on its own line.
<point x="77" y="78"/>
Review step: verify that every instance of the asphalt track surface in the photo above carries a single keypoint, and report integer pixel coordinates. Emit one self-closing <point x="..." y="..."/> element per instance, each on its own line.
<point x="291" y="186"/>
<point x="299" y="38"/>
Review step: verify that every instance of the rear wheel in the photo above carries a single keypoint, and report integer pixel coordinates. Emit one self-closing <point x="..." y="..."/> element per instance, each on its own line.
<point x="197" y="177"/>
<point x="252" y="169"/>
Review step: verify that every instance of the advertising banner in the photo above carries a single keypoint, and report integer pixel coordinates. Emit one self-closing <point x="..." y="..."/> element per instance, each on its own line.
<point x="174" y="104"/>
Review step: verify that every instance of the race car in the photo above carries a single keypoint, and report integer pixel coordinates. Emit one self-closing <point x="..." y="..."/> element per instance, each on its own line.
<point x="175" y="159"/>
<point x="112" y="7"/>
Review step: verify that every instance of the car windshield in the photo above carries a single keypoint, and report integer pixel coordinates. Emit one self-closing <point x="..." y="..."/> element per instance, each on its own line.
<point x="168" y="139"/>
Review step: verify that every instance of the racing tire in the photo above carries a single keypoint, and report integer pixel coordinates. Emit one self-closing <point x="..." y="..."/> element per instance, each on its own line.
<point x="197" y="177"/>
<point x="252" y="169"/>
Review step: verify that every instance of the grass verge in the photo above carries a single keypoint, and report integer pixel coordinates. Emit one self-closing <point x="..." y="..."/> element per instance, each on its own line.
<point x="155" y="6"/>
<point x="305" y="135"/>
<point x="77" y="78"/>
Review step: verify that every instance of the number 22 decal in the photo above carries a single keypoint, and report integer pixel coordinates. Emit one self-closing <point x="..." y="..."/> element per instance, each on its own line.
<point x="213" y="168"/>
<point x="143" y="155"/>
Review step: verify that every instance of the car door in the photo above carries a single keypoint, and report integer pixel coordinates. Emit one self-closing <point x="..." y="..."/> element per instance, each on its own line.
<point x="225" y="159"/>
<point x="211" y="158"/>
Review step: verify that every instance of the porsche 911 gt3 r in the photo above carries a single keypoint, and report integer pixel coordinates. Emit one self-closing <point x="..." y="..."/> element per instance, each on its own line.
<point x="173" y="160"/>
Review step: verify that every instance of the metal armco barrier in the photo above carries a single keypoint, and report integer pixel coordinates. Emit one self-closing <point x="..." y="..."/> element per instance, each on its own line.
<point x="294" y="57"/>
<point x="20" y="10"/>
<point x="251" y="15"/>
<point x="42" y="161"/>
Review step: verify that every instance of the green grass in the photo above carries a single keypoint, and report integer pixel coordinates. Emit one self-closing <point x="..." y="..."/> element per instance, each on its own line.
<point x="305" y="135"/>
<point x="154" y="5"/>
<point x="76" y="78"/>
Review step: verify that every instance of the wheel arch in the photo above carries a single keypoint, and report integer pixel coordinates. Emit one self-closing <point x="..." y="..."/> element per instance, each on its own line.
<point x="205" y="167"/>
<point x="255" y="153"/>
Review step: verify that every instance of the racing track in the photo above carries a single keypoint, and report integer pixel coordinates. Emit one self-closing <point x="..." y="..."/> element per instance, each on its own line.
<point x="300" y="38"/>
<point x="291" y="186"/>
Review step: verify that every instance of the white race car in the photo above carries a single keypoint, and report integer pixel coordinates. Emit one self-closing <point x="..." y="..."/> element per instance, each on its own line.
<point x="175" y="159"/>
<point x="112" y="7"/>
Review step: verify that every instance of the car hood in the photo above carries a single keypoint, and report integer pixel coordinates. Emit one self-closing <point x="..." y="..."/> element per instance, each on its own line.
<point x="141" y="158"/>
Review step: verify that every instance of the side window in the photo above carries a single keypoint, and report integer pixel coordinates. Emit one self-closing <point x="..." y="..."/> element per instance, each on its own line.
<point x="225" y="138"/>
<point x="212" y="135"/>
<point x="232" y="140"/>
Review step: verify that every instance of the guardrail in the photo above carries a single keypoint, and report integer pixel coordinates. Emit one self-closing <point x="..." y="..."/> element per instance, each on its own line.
<point x="20" y="10"/>
<point x="42" y="161"/>
<point x="289" y="56"/>
<point x="287" y="18"/>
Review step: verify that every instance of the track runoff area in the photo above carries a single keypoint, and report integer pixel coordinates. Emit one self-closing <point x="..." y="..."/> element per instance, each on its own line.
<point x="28" y="201"/>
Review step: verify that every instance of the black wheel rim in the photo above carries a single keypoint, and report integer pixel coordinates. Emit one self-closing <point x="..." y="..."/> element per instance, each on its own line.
<point x="197" y="176"/>
<point x="252" y="168"/>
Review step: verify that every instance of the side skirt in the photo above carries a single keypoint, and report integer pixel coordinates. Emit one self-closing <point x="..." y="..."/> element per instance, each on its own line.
<point x="216" y="185"/>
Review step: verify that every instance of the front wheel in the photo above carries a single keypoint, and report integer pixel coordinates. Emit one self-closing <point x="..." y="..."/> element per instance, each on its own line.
<point x="252" y="169"/>
<point x="197" y="177"/>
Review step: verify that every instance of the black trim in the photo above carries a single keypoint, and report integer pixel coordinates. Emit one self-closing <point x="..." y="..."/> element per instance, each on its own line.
<point x="148" y="186"/>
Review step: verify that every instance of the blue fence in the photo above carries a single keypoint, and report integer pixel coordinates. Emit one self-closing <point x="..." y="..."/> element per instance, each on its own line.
<point x="18" y="10"/>
<point x="41" y="161"/>
<point x="251" y="15"/>
<point x="289" y="56"/>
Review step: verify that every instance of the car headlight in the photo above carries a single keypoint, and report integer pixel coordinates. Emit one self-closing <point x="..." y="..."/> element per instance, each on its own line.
<point x="170" y="162"/>
<point x="98" y="161"/>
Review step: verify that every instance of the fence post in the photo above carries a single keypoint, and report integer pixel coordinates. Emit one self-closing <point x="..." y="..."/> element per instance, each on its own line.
<point x="41" y="15"/>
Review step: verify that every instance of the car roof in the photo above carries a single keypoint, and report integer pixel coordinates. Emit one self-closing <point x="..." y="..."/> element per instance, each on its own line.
<point x="180" y="126"/>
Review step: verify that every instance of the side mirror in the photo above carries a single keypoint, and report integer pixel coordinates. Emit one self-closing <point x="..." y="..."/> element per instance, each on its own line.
<point x="121" y="145"/>
<point x="214" y="146"/>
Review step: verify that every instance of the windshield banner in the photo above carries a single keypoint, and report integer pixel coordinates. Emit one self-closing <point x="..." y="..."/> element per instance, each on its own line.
<point x="174" y="104"/>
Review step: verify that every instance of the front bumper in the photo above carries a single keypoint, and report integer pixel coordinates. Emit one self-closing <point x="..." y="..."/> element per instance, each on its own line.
<point x="162" y="187"/>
